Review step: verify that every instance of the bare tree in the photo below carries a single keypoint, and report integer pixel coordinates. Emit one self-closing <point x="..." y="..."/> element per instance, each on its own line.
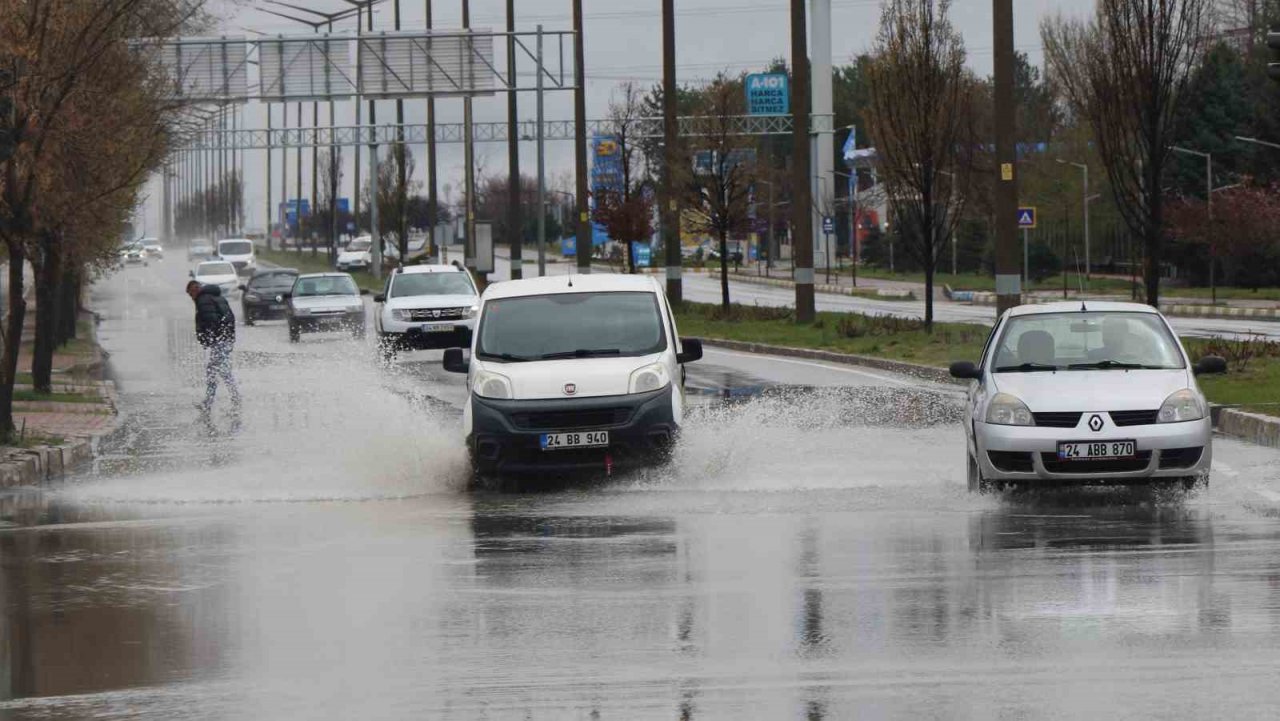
<point x="1125" y="71"/>
<point x="392" y="202"/>
<point x="327" y="194"/>
<point x="719" y="188"/>
<point x="624" y="204"/>
<point x="921" y="115"/>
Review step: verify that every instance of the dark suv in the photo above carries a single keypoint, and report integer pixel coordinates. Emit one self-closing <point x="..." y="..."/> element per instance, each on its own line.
<point x="264" y="296"/>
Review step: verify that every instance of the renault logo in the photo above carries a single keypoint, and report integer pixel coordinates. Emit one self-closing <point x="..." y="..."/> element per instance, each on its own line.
<point x="1095" y="423"/>
<point x="570" y="389"/>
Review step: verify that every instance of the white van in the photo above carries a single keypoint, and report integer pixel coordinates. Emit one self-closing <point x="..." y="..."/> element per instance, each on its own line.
<point x="239" y="252"/>
<point x="573" y="373"/>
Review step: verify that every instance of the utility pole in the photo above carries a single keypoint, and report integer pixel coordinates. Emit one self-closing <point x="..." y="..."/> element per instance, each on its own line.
<point x="402" y="192"/>
<point x="584" y="247"/>
<point x="1008" y="279"/>
<point x="668" y="206"/>
<point x="801" y="184"/>
<point x="269" y="176"/>
<point x="298" y="178"/>
<point x="433" y="197"/>
<point x="469" y="153"/>
<point x="542" y="170"/>
<point x="514" y="226"/>
<point x="376" y="245"/>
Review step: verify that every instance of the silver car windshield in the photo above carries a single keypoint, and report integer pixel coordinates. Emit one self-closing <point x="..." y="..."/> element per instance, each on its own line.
<point x="1086" y="341"/>
<point x="571" y="325"/>
<point x="410" y="284"/>
<point x="325" y="285"/>
<point x="215" y="269"/>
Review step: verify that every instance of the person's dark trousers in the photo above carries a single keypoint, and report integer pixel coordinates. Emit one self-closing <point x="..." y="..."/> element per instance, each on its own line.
<point x="218" y="368"/>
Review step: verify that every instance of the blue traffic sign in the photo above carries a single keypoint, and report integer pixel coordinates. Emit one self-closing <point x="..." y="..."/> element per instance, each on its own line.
<point x="828" y="224"/>
<point x="768" y="94"/>
<point x="1027" y="217"/>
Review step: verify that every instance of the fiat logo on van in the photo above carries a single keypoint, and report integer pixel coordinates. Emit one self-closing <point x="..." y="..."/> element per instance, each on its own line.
<point x="570" y="389"/>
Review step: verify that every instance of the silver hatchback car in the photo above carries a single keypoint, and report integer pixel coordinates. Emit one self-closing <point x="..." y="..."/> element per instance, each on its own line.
<point x="1081" y="393"/>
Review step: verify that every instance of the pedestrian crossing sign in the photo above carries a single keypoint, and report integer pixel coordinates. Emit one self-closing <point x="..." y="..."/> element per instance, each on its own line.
<point x="1026" y="217"/>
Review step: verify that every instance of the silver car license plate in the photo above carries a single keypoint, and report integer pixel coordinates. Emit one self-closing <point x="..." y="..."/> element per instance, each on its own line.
<point x="1097" y="450"/>
<point x="585" y="439"/>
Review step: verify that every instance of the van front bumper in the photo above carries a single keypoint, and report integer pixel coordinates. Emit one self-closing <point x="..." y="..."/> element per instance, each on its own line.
<point x="506" y="436"/>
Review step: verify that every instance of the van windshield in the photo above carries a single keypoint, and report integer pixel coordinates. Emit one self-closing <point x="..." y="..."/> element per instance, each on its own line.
<point x="571" y="325"/>
<point x="413" y="284"/>
<point x="235" y="247"/>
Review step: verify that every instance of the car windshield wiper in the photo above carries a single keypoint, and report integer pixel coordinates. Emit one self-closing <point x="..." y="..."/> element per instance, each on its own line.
<point x="1027" y="368"/>
<point x="504" y="357"/>
<point x="1111" y="364"/>
<point x="581" y="353"/>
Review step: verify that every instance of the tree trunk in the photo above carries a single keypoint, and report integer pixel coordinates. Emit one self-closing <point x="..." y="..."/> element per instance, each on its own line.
<point x="724" y="270"/>
<point x="631" y="258"/>
<point x="929" y="271"/>
<point x="13" y="338"/>
<point x="48" y="271"/>
<point x="1152" y="241"/>
<point x="68" y="305"/>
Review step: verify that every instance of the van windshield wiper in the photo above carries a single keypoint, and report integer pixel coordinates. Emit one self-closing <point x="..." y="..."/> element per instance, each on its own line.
<point x="581" y="353"/>
<point x="1112" y="364"/>
<point x="1027" y="368"/>
<point x="508" y="357"/>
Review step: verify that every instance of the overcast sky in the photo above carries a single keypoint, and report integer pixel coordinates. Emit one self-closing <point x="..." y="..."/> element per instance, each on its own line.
<point x="623" y="42"/>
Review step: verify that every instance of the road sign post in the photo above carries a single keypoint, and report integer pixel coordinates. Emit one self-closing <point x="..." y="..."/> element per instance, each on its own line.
<point x="828" y="227"/>
<point x="1026" y="221"/>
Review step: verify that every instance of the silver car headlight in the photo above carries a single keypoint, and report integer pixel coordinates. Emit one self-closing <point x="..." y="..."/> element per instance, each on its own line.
<point x="1007" y="410"/>
<point x="649" y="378"/>
<point x="492" y="385"/>
<point x="400" y="315"/>
<point x="471" y="312"/>
<point x="1180" y="407"/>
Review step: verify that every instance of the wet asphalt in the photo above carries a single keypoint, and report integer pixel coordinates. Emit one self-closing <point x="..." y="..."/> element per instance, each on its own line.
<point x="810" y="553"/>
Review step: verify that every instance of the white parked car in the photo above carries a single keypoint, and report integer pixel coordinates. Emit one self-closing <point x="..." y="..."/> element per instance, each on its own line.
<point x="219" y="273"/>
<point x="357" y="255"/>
<point x="1084" y="393"/>
<point x="325" y="302"/>
<point x="152" y="247"/>
<point x="240" y="253"/>
<point x="581" y="373"/>
<point x="426" y="306"/>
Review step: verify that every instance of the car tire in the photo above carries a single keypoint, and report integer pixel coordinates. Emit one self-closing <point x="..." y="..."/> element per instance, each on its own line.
<point x="295" y="333"/>
<point x="978" y="484"/>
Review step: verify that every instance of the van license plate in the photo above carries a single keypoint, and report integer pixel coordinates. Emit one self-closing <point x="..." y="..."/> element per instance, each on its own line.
<point x="586" y="439"/>
<point x="1096" y="450"/>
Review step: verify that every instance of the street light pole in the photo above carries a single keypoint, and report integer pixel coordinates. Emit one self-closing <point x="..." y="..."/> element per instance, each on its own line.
<point x="1088" y="266"/>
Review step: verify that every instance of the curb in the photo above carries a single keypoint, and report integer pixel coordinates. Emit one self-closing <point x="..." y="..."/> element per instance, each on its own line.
<point x="913" y="370"/>
<point x="42" y="464"/>
<point x="1257" y="428"/>
<point x="1176" y="310"/>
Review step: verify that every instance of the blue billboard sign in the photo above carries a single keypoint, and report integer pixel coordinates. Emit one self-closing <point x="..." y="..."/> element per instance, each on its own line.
<point x="768" y="94"/>
<point x="643" y="253"/>
<point x="289" y="213"/>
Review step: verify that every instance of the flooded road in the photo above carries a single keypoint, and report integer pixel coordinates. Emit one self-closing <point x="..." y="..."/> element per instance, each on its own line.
<point x="811" y="553"/>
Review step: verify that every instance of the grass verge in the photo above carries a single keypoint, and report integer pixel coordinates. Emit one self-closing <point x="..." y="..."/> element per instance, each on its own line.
<point x="879" y="336"/>
<point x="27" y="396"/>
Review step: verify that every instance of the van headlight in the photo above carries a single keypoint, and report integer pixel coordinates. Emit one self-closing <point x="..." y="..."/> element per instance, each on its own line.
<point x="1007" y="410"/>
<point x="400" y="315"/>
<point x="492" y="385"/>
<point x="1183" y="406"/>
<point x="649" y="378"/>
<point x="470" y="312"/>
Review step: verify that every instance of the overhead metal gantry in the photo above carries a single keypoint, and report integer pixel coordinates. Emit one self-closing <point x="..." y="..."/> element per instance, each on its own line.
<point x="498" y="132"/>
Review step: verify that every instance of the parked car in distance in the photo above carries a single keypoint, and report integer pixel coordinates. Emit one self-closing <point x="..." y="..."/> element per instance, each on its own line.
<point x="568" y="374"/>
<point x="426" y="306"/>
<point x="200" y="250"/>
<point x="357" y="255"/>
<point x="325" y="302"/>
<point x="152" y="247"/>
<point x="417" y="247"/>
<point x="240" y="253"/>
<point x="1084" y="393"/>
<point x="265" y="296"/>
<point x="219" y="273"/>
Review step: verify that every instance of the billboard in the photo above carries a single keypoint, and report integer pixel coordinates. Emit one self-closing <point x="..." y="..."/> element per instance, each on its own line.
<point x="768" y="94"/>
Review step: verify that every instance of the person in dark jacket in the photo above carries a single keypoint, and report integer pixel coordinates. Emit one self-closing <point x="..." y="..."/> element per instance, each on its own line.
<point x="216" y="331"/>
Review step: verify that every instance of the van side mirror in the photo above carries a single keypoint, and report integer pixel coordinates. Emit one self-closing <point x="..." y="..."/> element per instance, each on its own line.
<point x="454" y="362"/>
<point x="966" y="370"/>
<point x="692" y="351"/>
<point x="380" y="298"/>
<point x="1210" y="364"/>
